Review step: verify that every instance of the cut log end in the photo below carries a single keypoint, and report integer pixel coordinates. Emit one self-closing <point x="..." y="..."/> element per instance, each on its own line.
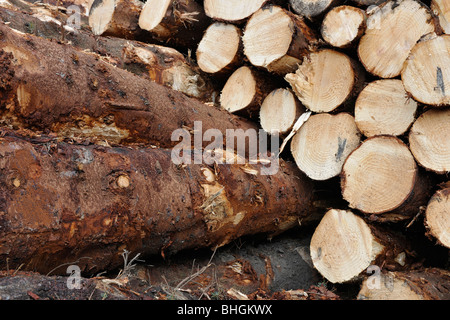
<point x="118" y="18"/>
<point x="343" y="25"/>
<point x="422" y="284"/>
<point x="239" y="90"/>
<point x="426" y="75"/>
<point x="441" y="8"/>
<point x="153" y="13"/>
<point x="342" y="246"/>
<point x="311" y="8"/>
<point x="323" y="143"/>
<point x="279" y="111"/>
<point x="379" y="176"/>
<point x="219" y="48"/>
<point x="429" y="140"/>
<point x="383" y="108"/>
<point x="231" y="10"/>
<point x="277" y="40"/>
<point x="101" y="15"/>
<point x="324" y="81"/>
<point x="393" y="23"/>
<point x="437" y="217"/>
<point x="262" y="44"/>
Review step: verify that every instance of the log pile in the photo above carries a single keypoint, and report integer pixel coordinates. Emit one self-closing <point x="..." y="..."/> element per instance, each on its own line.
<point x="108" y="116"/>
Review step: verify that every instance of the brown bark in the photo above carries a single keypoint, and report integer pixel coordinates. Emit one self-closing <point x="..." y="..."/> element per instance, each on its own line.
<point x="163" y="65"/>
<point x="50" y="86"/>
<point x="62" y="202"/>
<point x="423" y="284"/>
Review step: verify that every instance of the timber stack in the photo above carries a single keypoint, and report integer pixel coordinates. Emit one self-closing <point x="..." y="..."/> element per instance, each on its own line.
<point x="109" y="109"/>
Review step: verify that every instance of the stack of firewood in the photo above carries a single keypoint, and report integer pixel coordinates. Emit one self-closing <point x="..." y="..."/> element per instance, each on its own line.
<point x="91" y="99"/>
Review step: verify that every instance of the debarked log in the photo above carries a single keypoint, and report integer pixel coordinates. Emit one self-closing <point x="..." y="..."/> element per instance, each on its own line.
<point x="63" y="203"/>
<point x="45" y="85"/>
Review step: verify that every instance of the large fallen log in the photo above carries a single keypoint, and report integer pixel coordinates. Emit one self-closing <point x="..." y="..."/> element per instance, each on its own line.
<point x="161" y="64"/>
<point x="51" y="86"/>
<point x="64" y="203"/>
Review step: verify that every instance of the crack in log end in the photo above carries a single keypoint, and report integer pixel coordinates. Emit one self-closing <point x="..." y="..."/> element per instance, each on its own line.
<point x="341" y="148"/>
<point x="440" y="80"/>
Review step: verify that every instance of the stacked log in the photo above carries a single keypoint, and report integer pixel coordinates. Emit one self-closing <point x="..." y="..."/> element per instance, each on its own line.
<point x="92" y="117"/>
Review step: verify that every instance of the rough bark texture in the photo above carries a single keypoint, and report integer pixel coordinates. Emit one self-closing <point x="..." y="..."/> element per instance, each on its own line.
<point x="62" y="203"/>
<point x="163" y="65"/>
<point x="46" y="85"/>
